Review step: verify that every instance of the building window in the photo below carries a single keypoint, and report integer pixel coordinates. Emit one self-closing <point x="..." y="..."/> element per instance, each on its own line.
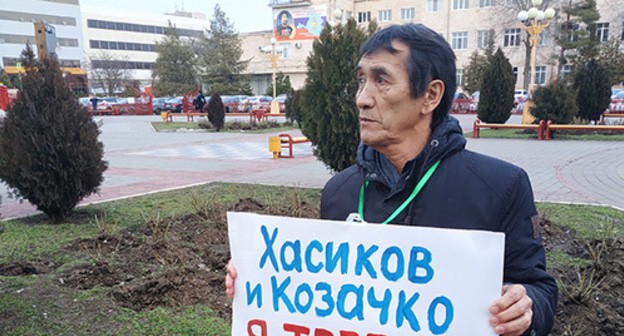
<point x="459" y="40"/>
<point x="459" y="77"/>
<point x="460" y="4"/>
<point x="486" y="3"/>
<point x="511" y="37"/>
<point x="544" y="38"/>
<point x="364" y="17"/>
<point x="602" y="31"/>
<point x="384" y="15"/>
<point x="115" y="45"/>
<point x="434" y="5"/>
<point x="110" y="25"/>
<point x="571" y="29"/>
<point x="540" y="75"/>
<point x="483" y="38"/>
<point x="567" y="70"/>
<point x="515" y="73"/>
<point x="106" y="64"/>
<point x="284" y="50"/>
<point x="408" y="13"/>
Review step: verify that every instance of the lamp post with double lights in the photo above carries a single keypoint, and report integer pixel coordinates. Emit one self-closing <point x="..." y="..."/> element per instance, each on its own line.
<point x="535" y="21"/>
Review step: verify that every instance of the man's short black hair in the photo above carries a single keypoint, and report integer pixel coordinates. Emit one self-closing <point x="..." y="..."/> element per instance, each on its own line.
<point x="431" y="57"/>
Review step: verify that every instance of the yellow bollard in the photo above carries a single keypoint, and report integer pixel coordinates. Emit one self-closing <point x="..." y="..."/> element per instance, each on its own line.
<point x="163" y="115"/>
<point x="275" y="146"/>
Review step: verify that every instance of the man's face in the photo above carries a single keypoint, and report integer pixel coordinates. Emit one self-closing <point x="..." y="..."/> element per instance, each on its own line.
<point x="388" y="113"/>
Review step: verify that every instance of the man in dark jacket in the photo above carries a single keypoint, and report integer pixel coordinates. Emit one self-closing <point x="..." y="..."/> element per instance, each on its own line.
<point x="200" y="101"/>
<point x="413" y="169"/>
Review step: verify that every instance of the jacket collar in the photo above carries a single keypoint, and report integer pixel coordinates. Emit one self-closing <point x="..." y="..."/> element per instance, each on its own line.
<point x="446" y="139"/>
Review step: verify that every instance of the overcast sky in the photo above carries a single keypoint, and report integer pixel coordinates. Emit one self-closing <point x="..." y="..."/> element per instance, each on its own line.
<point x="246" y="15"/>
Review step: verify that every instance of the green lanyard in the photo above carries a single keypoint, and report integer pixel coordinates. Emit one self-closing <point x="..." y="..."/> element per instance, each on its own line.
<point x="411" y="197"/>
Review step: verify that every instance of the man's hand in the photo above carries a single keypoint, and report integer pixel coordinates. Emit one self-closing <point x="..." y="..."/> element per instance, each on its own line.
<point x="512" y="312"/>
<point x="229" y="280"/>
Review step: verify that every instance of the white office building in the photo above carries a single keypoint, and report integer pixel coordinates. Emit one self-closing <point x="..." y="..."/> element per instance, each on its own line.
<point x="17" y="29"/>
<point x="128" y="39"/>
<point x="465" y="24"/>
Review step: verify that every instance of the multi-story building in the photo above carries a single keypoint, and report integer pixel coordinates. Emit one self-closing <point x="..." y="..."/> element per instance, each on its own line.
<point x="466" y="24"/>
<point x="127" y="40"/>
<point x="17" y="29"/>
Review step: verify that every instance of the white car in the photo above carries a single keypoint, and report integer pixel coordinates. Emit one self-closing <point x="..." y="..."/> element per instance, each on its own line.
<point x="520" y="96"/>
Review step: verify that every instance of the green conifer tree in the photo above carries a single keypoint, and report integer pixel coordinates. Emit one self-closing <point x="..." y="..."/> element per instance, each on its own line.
<point x="49" y="149"/>
<point x="497" y="90"/>
<point x="221" y="57"/>
<point x="282" y="85"/>
<point x="593" y="91"/>
<point x="329" y="114"/>
<point x="174" y="71"/>
<point x="555" y="102"/>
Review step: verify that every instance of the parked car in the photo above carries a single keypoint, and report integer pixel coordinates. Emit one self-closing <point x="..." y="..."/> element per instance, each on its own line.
<point x="461" y="103"/>
<point x="234" y="103"/>
<point x="281" y="100"/>
<point x="85" y="102"/>
<point x="174" y="104"/>
<point x="475" y="101"/>
<point x="617" y="103"/>
<point x="260" y="102"/>
<point x="520" y="96"/>
<point x="106" y="103"/>
<point x="158" y="105"/>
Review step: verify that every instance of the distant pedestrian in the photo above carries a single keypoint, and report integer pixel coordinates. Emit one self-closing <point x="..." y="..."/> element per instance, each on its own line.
<point x="200" y="101"/>
<point x="94" y="102"/>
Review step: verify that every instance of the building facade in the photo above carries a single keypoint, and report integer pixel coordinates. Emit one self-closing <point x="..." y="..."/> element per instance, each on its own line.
<point x="466" y="24"/>
<point x="17" y="19"/>
<point x="127" y="40"/>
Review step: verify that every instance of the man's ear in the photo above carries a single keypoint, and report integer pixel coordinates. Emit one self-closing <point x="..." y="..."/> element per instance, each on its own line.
<point x="433" y="96"/>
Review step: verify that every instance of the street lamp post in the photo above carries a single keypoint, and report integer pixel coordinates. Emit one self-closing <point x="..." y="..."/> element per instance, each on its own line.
<point x="535" y="21"/>
<point x="274" y="103"/>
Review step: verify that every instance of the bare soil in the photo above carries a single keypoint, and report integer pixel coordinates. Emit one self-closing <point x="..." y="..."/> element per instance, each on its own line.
<point x="180" y="261"/>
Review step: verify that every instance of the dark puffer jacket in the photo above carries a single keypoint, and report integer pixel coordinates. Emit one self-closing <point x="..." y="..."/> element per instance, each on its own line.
<point x="467" y="191"/>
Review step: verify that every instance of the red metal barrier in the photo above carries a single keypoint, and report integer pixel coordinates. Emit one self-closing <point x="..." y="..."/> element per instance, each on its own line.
<point x="141" y="106"/>
<point x="4" y="97"/>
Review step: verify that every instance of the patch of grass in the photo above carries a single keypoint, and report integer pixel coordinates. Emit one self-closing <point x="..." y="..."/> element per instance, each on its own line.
<point x="194" y="320"/>
<point x="160" y="126"/>
<point x="524" y="134"/>
<point x="588" y="221"/>
<point x="560" y="259"/>
<point x="507" y="133"/>
<point x="22" y="242"/>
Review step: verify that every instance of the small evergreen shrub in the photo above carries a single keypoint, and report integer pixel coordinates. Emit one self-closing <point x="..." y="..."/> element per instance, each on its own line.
<point x="497" y="90"/>
<point x="216" y="111"/>
<point x="555" y="102"/>
<point x="49" y="149"/>
<point x="293" y="105"/>
<point x="593" y="91"/>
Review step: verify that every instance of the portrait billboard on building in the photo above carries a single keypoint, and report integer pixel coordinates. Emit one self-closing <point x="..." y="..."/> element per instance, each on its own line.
<point x="305" y="24"/>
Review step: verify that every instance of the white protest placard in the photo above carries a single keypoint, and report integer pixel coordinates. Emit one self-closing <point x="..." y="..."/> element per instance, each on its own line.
<point x="323" y="278"/>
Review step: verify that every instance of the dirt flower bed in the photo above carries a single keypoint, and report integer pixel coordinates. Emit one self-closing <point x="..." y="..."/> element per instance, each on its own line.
<point x="180" y="261"/>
